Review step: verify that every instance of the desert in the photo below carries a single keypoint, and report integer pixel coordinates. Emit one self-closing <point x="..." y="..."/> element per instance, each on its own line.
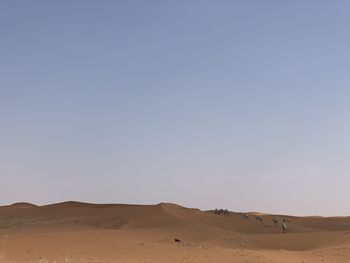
<point x="83" y="232"/>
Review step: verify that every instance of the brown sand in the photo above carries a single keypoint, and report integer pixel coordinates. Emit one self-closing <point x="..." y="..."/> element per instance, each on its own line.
<point x="80" y="232"/>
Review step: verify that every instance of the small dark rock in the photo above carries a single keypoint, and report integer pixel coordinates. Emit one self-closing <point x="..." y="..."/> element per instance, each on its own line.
<point x="177" y="240"/>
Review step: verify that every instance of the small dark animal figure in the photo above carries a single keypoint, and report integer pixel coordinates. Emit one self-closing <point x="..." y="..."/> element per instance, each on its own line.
<point x="285" y="220"/>
<point x="218" y="211"/>
<point x="275" y="220"/>
<point x="245" y="217"/>
<point x="284" y="228"/>
<point x="221" y="212"/>
<point x="259" y="218"/>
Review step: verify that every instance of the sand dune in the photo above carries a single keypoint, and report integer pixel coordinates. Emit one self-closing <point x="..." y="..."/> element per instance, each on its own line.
<point x="82" y="232"/>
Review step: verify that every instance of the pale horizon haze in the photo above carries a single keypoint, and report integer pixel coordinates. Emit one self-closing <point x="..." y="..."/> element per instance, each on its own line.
<point x="243" y="105"/>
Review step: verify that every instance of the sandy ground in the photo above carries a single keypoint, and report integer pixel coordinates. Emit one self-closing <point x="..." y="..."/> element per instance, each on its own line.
<point x="77" y="232"/>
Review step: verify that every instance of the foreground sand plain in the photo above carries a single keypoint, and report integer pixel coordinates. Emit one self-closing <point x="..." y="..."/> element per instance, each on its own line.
<point x="80" y="232"/>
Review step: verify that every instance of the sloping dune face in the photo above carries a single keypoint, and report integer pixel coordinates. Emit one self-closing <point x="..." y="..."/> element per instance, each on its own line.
<point x="23" y="205"/>
<point x="132" y="232"/>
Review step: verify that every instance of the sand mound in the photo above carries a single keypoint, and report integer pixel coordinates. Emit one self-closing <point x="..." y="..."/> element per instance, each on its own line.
<point x="23" y="205"/>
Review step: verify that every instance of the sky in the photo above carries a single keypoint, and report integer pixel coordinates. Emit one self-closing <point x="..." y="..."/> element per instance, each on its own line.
<point x="243" y="105"/>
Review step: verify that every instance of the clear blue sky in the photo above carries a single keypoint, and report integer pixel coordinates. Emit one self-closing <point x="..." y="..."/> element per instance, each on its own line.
<point x="242" y="105"/>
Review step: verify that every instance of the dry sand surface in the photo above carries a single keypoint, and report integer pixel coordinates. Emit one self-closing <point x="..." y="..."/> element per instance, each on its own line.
<point x="80" y="232"/>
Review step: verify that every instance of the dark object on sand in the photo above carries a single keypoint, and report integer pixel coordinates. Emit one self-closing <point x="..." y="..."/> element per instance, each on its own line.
<point x="177" y="240"/>
<point x="221" y="212"/>
<point x="284" y="228"/>
<point x="259" y="218"/>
